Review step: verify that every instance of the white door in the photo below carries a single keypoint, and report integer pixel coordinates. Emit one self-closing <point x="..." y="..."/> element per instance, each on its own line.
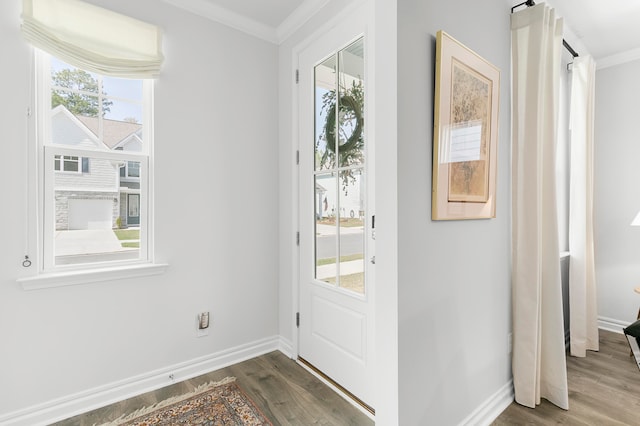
<point x="336" y="270"/>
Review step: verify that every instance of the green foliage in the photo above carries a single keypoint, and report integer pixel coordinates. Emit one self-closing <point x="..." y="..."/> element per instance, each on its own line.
<point x="350" y="129"/>
<point x="78" y="91"/>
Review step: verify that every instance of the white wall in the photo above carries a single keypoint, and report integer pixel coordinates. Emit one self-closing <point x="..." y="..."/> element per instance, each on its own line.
<point x="454" y="285"/>
<point x="216" y="210"/>
<point x="617" y="193"/>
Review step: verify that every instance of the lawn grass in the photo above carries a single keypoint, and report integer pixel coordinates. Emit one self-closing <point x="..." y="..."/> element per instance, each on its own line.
<point x="130" y="236"/>
<point x="127" y="234"/>
<point x="330" y="260"/>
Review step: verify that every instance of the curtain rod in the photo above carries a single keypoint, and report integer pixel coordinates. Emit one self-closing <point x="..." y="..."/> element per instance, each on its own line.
<point x="567" y="46"/>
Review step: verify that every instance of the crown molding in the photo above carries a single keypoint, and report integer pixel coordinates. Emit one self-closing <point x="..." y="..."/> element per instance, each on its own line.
<point x="618" y="59"/>
<point x="298" y="18"/>
<point x="226" y="17"/>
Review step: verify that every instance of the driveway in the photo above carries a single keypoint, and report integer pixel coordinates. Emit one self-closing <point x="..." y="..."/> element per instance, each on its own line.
<point x="90" y="241"/>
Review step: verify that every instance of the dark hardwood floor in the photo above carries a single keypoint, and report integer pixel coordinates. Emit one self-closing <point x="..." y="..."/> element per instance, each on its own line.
<point x="284" y="391"/>
<point x="604" y="389"/>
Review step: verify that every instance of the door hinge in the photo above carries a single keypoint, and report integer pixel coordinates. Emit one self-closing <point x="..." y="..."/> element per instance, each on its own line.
<point x="298" y="157"/>
<point x="297" y="76"/>
<point x="298" y="319"/>
<point x="298" y="238"/>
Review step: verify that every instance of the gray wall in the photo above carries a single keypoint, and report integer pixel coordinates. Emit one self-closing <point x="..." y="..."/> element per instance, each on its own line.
<point x="216" y="162"/>
<point x="617" y="196"/>
<point x="454" y="277"/>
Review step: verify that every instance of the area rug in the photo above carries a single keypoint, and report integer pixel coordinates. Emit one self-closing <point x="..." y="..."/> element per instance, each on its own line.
<point x="211" y="404"/>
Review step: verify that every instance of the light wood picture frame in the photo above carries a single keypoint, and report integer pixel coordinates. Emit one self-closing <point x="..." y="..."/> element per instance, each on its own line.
<point x="465" y="133"/>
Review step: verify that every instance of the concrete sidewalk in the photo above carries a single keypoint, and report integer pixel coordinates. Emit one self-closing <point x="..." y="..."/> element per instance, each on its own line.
<point x="346" y="268"/>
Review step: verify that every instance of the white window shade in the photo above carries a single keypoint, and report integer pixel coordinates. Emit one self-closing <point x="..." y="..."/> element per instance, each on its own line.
<point x="93" y="38"/>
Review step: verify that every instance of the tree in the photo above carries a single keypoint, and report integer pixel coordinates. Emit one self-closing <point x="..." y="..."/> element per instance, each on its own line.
<point x="68" y="84"/>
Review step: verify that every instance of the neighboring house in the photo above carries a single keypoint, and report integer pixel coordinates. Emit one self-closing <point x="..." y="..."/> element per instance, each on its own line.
<point x="351" y="197"/>
<point x="92" y="193"/>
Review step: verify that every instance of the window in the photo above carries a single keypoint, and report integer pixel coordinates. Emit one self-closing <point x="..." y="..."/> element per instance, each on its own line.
<point x="95" y="149"/>
<point x="69" y="163"/>
<point x="93" y="115"/>
<point x="131" y="169"/>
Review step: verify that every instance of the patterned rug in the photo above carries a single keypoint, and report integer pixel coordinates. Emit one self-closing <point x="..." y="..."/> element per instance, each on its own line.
<point x="212" y="404"/>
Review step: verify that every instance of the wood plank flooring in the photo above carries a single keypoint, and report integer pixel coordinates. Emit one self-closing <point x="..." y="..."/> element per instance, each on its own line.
<point x="604" y="389"/>
<point x="284" y="391"/>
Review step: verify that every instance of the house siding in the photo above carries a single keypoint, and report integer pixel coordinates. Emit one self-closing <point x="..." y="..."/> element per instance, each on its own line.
<point x="103" y="175"/>
<point x="64" y="131"/>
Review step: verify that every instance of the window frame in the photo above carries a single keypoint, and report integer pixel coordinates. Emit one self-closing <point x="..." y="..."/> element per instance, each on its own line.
<point x="41" y="200"/>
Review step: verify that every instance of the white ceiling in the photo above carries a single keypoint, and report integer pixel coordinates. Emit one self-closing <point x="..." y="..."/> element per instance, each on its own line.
<point x="610" y="29"/>
<point x="607" y="28"/>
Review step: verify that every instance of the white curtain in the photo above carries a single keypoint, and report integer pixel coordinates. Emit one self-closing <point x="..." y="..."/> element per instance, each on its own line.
<point x="538" y="363"/>
<point x="582" y="280"/>
<point x="93" y="38"/>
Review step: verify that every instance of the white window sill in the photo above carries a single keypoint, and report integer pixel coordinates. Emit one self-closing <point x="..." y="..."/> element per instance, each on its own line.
<point x="61" y="279"/>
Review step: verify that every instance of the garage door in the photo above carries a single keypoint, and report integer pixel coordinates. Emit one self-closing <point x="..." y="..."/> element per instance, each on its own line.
<point x="90" y="214"/>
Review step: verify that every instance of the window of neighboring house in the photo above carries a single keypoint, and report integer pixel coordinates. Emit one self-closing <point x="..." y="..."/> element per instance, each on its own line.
<point x="84" y="120"/>
<point x="131" y="169"/>
<point x="70" y="163"/>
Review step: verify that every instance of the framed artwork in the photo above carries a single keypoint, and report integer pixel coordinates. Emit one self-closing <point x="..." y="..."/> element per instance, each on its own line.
<point x="465" y="133"/>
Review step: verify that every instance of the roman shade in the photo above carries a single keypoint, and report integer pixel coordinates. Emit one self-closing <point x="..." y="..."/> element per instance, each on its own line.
<point x="93" y="38"/>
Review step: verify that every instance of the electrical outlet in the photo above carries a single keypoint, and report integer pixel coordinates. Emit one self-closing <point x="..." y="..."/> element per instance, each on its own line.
<point x="202" y="324"/>
<point x="509" y="343"/>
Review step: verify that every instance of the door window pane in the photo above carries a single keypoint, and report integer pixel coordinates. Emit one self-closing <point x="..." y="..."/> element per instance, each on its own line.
<point x="339" y="172"/>
<point x="326" y="230"/>
<point x="325" y="95"/>
<point x="351" y="105"/>
<point x="351" y="231"/>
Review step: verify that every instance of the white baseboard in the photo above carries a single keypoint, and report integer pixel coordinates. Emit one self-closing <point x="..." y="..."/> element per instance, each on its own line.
<point x="488" y="411"/>
<point x="71" y="405"/>
<point x="611" y="324"/>
<point x="286" y="347"/>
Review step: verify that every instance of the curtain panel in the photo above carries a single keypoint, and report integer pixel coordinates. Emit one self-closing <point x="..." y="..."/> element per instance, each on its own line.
<point x="93" y="38"/>
<point x="538" y="359"/>
<point x="582" y="275"/>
